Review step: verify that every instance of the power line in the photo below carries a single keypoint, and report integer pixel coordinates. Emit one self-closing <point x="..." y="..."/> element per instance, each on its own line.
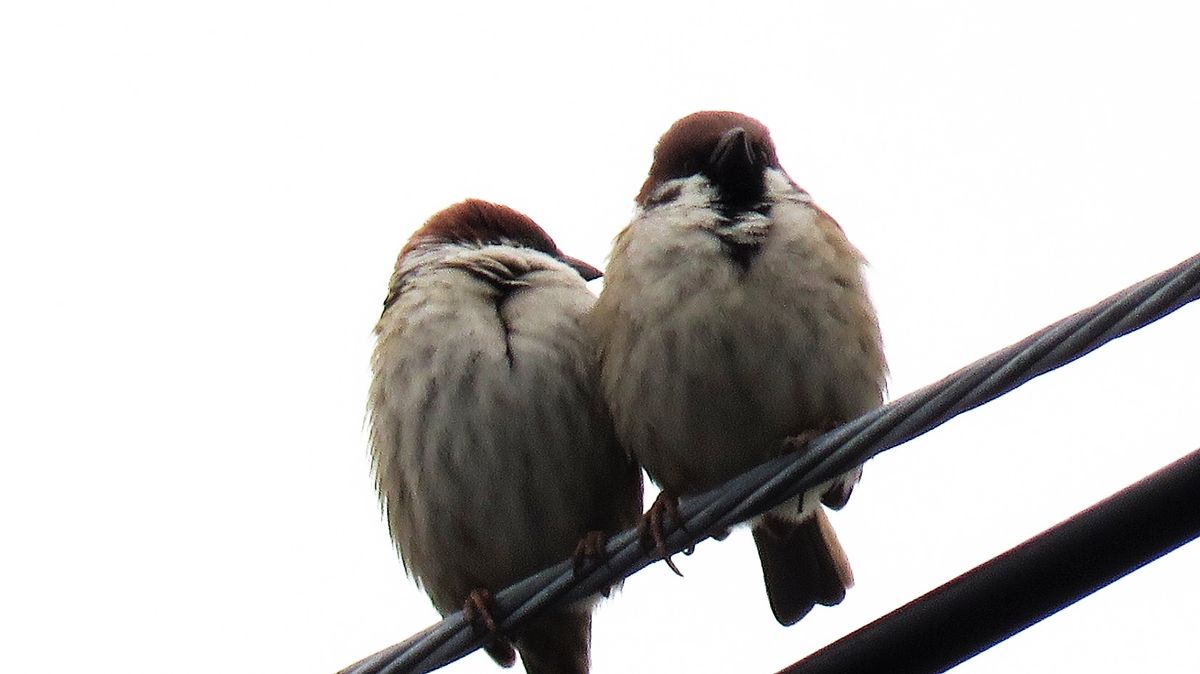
<point x="1029" y="583"/>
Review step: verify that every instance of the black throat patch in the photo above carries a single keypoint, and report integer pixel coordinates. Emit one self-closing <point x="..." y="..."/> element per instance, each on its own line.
<point x="742" y="235"/>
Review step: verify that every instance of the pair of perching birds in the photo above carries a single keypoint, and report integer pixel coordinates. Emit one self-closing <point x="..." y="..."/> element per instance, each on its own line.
<point x="510" y="408"/>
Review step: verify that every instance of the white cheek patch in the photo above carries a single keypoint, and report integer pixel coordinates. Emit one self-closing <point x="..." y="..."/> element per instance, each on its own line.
<point x="682" y="193"/>
<point x="781" y="188"/>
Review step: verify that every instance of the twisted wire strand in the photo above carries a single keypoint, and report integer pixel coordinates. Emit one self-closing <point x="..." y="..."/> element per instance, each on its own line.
<point x="825" y="457"/>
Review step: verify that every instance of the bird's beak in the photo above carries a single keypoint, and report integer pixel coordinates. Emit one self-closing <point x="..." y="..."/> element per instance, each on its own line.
<point x="734" y="154"/>
<point x="587" y="271"/>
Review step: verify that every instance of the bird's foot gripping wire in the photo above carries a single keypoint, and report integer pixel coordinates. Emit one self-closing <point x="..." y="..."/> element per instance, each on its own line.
<point x="477" y="609"/>
<point x="591" y="550"/>
<point x="650" y="527"/>
<point x="800" y="441"/>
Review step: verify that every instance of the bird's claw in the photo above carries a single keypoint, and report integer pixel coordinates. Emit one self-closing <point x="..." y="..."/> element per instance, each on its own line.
<point x="590" y="548"/>
<point x="477" y="609"/>
<point x="650" y="527"/>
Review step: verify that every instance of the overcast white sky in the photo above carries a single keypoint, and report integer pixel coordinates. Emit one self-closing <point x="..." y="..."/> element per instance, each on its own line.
<point x="202" y="202"/>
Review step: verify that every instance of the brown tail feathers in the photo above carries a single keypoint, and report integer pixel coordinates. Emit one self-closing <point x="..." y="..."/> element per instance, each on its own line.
<point x="803" y="565"/>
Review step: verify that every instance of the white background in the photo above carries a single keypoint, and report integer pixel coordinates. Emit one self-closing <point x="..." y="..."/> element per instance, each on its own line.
<point x="201" y="204"/>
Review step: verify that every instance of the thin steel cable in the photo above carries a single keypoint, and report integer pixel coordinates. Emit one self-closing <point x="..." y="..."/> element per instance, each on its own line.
<point x="827" y="456"/>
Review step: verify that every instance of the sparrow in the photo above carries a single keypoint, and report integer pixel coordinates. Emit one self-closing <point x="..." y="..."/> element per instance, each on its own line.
<point x="493" y="453"/>
<point x="735" y="316"/>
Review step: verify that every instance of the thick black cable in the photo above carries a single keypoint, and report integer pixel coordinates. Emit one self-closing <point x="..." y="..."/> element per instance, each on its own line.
<point x="1029" y="583"/>
<point x="831" y="454"/>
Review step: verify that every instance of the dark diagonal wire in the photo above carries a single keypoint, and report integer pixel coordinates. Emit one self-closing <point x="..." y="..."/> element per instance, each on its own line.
<point x="1027" y="583"/>
<point x="827" y="456"/>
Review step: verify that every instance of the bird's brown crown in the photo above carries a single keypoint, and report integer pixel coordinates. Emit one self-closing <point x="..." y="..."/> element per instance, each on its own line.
<point x="478" y="221"/>
<point x="688" y="146"/>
